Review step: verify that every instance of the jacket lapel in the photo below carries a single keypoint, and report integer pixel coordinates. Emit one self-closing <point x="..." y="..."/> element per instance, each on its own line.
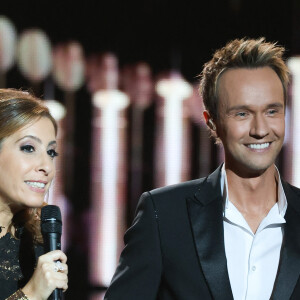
<point x="206" y="217"/>
<point x="289" y="266"/>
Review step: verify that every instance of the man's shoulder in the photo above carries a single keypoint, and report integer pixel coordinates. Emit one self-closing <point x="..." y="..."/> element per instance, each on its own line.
<point x="294" y="189"/>
<point x="292" y="194"/>
<point x="182" y="187"/>
<point x="175" y="195"/>
<point x="188" y="187"/>
<point x="178" y="194"/>
<point x="169" y="202"/>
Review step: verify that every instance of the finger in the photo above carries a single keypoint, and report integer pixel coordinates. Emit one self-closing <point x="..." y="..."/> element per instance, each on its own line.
<point x="65" y="287"/>
<point x="47" y="267"/>
<point x="57" y="280"/>
<point x="57" y="255"/>
<point x="64" y="268"/>
<point x="53" y="256"/>
<point x="60" y="280"/>
<point x="60" y="267"/>
<point x="60" y="277"/>
<point x="50" y="269"/>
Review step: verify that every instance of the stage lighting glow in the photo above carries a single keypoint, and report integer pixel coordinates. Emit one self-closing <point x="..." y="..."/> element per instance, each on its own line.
<point x="108" y="185"/>
<point x="57" y="110"/>
<point x="34" y="54"/>
<point x="294" y="66"/>
<point x="8" y="38"/>
<point x="174" y="91"/>
<point x="69" y="66"/>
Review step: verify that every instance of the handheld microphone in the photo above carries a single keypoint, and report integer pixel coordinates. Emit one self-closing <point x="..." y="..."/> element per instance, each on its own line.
<point x="51" y="227"/>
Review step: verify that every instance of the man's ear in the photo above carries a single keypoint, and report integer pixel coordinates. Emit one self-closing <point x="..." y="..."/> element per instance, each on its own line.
<point x="208" y="120"/>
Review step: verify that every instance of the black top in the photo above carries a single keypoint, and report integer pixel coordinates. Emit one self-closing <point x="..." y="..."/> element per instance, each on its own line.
<point x="17" y="261"/>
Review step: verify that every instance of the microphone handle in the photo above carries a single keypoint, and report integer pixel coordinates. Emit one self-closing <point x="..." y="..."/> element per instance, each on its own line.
<point x="53" y="243"/>
<point x="56" y="295"/>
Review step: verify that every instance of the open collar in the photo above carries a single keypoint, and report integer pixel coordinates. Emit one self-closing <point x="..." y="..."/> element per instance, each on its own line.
<point x="206" y="217"/>
<point x="205" y="212"/>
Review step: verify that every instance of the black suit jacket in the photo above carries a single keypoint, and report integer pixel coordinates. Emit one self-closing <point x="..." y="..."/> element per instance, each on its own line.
<point x="175" y="247"/>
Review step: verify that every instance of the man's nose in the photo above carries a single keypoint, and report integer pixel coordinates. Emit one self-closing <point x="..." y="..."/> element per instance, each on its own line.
<point x="259" y="127"/>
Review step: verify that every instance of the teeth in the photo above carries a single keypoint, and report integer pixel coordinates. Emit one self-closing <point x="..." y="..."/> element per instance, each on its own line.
<point x="39" y="185"/>
<point x="259" y="146"/>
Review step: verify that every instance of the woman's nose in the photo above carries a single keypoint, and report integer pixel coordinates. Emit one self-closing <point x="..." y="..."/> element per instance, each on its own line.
<point x="45" y="164"/>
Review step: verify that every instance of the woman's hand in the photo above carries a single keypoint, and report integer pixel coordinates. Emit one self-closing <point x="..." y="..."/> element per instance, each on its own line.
<point x="47" y="276"/>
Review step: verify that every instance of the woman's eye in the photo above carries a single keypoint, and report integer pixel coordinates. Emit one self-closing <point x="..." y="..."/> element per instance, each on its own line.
<point x="27" y="148"/>
<point x="52" y="153"/>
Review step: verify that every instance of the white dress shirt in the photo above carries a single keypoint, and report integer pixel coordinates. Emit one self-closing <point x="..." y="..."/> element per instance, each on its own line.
<point x="252" y="259"/>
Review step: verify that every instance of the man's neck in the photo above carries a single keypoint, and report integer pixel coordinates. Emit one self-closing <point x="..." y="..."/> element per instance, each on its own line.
<point x="254" y="196"/>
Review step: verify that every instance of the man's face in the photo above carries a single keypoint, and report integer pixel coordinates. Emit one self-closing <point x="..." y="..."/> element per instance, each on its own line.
<point x="251" y="122"/>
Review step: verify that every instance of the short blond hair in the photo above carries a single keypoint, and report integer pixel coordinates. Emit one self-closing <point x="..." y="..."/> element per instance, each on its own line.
<point x="240" y="53"/>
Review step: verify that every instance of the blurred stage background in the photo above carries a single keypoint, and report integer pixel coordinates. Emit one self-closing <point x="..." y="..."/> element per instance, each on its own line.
<point x="121" y="79"/>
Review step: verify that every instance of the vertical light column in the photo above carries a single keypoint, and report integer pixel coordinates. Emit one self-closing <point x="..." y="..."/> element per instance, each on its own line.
<point x="173" y="91"/>
<point x="8" y="39"/>
<point x="108" y="167"/>
<point x="293" y="142"/>
<point x="56" y="193"/>
<point x="108" y="183"/>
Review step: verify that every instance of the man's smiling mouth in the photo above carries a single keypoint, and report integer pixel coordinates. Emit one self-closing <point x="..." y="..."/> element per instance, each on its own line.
<point x="259" y="146"/>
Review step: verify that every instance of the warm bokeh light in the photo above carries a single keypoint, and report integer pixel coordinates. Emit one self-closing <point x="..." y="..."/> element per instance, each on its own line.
<point x="8" y="40"/>
<point x="294" y="66"/>
<point x="174" y="91"/>
<point x="34" y="54"/>
<point x="108" y="183"/>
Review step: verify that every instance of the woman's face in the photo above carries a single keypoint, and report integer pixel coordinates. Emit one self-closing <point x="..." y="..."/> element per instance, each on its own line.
<point x="27" y="165"/>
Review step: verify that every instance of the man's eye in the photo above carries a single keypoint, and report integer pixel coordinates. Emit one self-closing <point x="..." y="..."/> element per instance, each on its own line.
<point x="27" y="148"/>
<point x="52" y="153"/>
<point x="272" y="111"/>
<point x="241" y="114"/>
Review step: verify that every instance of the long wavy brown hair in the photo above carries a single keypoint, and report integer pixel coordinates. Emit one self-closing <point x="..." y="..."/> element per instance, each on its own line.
<point x="17" y="109"/>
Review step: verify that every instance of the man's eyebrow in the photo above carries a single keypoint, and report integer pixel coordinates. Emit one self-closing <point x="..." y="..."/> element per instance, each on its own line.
<point x="276" y="104"/>
<point x="238" y="107"/>
<point x="248" y="107"/>
<point x="36" y="139"/>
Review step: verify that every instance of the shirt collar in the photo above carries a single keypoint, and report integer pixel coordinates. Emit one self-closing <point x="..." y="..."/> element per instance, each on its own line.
<point x="282" y="202"/>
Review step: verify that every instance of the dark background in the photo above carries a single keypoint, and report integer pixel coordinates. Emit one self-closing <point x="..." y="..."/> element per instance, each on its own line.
<point x="167" y="35"/>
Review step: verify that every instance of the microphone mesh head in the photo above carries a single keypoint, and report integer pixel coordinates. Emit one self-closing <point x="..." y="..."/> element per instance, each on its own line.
<point x="51" y="219"/>
<point x="50" y="212"/>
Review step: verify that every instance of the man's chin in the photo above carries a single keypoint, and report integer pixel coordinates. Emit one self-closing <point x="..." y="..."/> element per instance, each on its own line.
<point x="258" y="170"/>
<point x="250" y="169"/>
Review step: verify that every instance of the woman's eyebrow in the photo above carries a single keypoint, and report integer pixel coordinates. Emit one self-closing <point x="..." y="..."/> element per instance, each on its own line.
<point x="30" y="136"/>
<point x="36" y="139"/>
